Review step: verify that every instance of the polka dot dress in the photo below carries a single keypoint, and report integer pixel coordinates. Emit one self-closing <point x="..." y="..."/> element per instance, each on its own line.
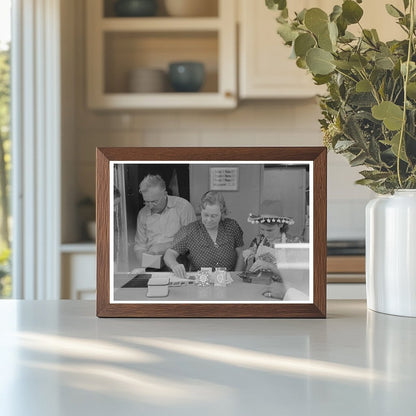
<point x="194" y="240"/>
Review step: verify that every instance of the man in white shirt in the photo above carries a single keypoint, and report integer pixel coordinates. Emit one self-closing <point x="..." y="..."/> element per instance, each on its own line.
<point x="160" y="219"/>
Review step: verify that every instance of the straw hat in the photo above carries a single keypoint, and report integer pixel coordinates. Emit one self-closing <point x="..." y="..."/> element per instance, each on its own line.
<point x="271" y="213"/>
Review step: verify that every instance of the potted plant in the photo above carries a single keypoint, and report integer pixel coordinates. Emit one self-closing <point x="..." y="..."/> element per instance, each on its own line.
<point x="369" y="116"/>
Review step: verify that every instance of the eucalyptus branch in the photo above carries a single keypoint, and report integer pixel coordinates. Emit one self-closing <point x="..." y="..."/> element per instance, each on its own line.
<point x="392" y="91"/>
<point x="397" y="95"/>
<point x="346" y="75"/>
<point x="373" y="88"/>
<point x="405" y="81"/>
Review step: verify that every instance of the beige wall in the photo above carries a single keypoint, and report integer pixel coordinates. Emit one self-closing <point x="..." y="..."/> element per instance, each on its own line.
<point x="253" y="123"/>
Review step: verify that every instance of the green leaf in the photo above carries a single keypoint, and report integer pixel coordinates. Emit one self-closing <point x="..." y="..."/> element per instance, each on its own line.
<point x="368" y="36"/>
<point x="384" y="62"/>
<point x="412" y="67"/>
<point x="374" y="150"/>
<point x="281" y="19"/>
<point x="343" y="145"/>
<point x="391" y="114"/>
<point x="393" y="11"/>
<point x="319" y="61"/>
<point x="411" y="90"/>
<point x="325" y="42"/>
<point x="354" y="132"/>
<point x="345" y="65"/>
<point x="375" y="35"/>
<point x="362" y="99"/>
<point x="336" y="12"/>
<point x="301" y="63"/>
<point x="301" y="15"/>
<point x="375" y="175"/>
<point x="287" y="33"/>
<point x="342" y="25"/>
<point x="351" y="11"/>
<point x="321" y="79"/>
<point x="276" y="4"/>
<point x="406" y="4"/>
<point x="359" y="160"/>
<point x="363" y="86"/>
<point x="333" y="32"/>
<point x="303" y="43"/>
<point x="394" y="143"/>
<point x="316" y="20"/>
<point x="347" y="37"/>
<point x="358" y="61"/>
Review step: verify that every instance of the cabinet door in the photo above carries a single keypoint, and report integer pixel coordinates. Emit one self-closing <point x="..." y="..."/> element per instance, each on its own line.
<point x="78" y="276"/>
<point x="266" y="71"/>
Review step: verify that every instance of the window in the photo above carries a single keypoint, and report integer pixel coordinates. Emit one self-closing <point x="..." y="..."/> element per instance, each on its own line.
<point x="5" y="147"/>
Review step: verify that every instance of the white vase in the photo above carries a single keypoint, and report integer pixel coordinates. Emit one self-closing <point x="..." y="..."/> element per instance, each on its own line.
<point x="391" y="253"/>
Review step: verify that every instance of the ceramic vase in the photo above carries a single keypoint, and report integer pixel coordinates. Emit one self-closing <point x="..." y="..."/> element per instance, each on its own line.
<point x="391" y="253"/>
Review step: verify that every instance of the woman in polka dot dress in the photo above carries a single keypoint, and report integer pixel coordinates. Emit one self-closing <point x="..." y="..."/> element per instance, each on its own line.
<point x="212" y="241"/>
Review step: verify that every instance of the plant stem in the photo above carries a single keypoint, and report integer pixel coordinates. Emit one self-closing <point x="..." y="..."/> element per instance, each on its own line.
<point x="346" y="75"/>
<point x="405" y="81"/>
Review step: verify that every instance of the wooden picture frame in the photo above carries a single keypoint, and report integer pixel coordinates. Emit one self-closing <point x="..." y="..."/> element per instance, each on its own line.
<point x="272" y="165"/>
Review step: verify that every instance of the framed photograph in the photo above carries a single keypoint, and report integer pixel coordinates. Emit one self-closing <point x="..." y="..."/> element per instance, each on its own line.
<point x="211" y="232"/>
<point x="223" y="178"/>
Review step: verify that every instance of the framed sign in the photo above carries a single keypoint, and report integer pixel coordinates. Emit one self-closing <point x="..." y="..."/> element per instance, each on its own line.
<point x="171" y="242"/>
<point x="223" y="178"/>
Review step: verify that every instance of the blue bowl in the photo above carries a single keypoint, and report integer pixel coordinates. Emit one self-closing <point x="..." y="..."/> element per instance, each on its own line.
<point x="135" y="8"/>
<point x="186" y="76"/>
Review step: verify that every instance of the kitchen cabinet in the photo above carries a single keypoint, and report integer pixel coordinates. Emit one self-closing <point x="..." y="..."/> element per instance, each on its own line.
<point x="265" y="70"/>
<point x="346" y="277"/>
<point x="78" y="264"/>
<point x="118" y="45"/>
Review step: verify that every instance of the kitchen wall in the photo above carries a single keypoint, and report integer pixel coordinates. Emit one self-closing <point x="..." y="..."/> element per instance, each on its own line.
<point x="253" y="123"/>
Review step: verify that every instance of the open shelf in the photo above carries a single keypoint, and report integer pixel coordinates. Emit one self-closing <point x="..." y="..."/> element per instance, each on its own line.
<point x="118" y="45"/>
<point x="209" y="9"/>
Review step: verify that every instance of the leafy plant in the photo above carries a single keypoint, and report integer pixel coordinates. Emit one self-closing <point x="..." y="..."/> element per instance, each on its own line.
<point x="5" y="281"/>
<point x="369" y="112"/>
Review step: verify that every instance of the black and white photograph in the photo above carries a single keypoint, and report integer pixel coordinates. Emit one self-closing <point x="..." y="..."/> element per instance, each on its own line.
<point x="211" y="232"/>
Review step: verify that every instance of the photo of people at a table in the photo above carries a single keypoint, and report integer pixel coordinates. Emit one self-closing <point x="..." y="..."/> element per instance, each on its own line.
<point x="210" y="232"/>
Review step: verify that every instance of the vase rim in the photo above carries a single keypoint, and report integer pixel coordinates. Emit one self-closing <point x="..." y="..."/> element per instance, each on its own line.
<point x="405" y="191"/>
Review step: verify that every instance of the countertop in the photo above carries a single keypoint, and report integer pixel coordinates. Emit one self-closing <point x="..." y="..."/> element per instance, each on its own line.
<point x="57" y="358"/>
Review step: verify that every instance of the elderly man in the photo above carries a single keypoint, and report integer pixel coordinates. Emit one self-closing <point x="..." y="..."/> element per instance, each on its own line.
<point x="160" y="219"/>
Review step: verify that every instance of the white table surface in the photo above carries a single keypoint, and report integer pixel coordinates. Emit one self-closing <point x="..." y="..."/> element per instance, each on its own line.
<point x="236" y="291"/>
<point x="57" y="358"/>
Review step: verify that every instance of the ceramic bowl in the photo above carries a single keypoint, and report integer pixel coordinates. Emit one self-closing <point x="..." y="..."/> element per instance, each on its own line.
<point x="147" y="80"/>
<point x="135" y="8"/>
<point x="186" y="76"/>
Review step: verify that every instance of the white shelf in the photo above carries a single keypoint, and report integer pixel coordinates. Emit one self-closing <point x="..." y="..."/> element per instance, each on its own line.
<point x="160" y="24"/>
<point x="81" y="247"/>
<point x="195" y="100"/>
